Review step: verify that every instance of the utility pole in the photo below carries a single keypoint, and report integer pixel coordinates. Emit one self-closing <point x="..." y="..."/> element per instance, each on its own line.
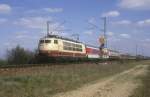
<point x="77" y="35"/>
<point x="48" y="27"/>
<point x="105" y="30"/>
<point x="136" y="50"/>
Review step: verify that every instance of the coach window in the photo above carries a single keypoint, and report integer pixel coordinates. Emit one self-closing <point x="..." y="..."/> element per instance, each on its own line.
<point x="80" y="49"/>
<point x="74" y="49"/>
<point x="55" y="41"/>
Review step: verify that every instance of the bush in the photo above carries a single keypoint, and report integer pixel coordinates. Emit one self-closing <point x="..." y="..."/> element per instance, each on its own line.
<point x="19" y="55"/>
<point x="3" y="62"/>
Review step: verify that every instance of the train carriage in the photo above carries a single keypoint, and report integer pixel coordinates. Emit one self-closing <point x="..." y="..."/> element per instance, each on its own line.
<point x="92" y="52"/>
<point x="114" y="54"/>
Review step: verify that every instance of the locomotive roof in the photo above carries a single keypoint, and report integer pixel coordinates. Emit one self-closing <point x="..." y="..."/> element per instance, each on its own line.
<point x="60" y="37"/>
<point x="114" y="51"/>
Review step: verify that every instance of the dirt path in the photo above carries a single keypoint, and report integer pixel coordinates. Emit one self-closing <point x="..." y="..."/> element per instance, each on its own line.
<point x="119" y="85"/>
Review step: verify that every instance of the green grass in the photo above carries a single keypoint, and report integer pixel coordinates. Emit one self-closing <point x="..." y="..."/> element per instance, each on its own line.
<point x="144" y="89"/>
<point x="46" y="81"/>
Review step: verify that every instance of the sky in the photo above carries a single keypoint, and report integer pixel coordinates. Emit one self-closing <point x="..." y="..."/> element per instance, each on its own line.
<point x="23" y="22"/>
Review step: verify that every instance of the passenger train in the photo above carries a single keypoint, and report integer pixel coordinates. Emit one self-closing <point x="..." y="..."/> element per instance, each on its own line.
<point x="56" y="47"/>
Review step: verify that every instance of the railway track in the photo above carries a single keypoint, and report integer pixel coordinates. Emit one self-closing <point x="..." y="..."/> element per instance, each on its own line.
<point x="24" y="68"/>
<point x="20" y="66"/>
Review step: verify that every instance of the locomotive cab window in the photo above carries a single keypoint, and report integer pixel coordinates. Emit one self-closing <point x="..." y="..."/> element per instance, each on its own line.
<point x="55" y="41"/>
<point x="47" y="41"/>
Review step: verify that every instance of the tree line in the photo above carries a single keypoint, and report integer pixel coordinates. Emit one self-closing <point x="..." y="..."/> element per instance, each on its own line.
<point x="19" y="55"/>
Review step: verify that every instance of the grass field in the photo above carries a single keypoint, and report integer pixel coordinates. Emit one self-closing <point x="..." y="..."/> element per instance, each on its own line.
<point x="144" y="89"/>
<point x="46" y="81"/>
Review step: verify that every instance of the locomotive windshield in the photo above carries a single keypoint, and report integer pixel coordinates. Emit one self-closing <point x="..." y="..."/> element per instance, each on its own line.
<point x="41" y="41"/>
<point x="47" y="41"/>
